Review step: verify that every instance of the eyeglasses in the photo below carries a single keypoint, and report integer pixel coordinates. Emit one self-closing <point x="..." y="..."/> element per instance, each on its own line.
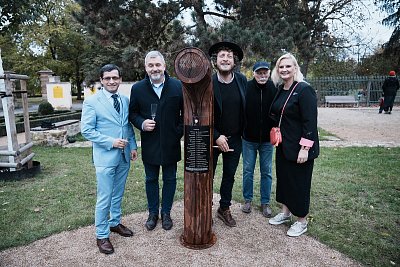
<point x="111" y="78"/>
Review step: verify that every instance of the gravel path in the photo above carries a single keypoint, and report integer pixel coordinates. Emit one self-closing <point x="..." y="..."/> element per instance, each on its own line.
<point x="360" y="126"/>
<point x="252" y="243"/>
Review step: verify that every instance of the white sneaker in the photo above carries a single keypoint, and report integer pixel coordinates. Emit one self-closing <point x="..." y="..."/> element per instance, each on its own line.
<point x="280" y="218"/>
<point x="297" y="229"/>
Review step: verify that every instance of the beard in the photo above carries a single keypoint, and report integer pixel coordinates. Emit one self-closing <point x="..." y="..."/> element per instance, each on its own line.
<point x="225" y="69"/>
<point x="156" y="76"/>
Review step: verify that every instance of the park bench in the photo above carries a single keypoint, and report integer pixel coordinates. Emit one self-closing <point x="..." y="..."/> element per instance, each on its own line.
<point x="340" y="99"/>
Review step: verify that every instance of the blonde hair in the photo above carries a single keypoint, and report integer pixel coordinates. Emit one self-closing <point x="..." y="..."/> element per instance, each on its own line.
<point x="276" y="79"/>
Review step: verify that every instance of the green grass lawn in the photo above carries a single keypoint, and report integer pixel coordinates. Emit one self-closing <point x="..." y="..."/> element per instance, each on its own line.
<point x="355" y="202"/>
<point x="324" y="135"/>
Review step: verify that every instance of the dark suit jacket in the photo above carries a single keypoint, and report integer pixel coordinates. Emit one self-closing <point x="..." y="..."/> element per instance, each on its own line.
<point x="162" y="145"/>
<point x="299" y="120"/>
<point x="241" y="81"/>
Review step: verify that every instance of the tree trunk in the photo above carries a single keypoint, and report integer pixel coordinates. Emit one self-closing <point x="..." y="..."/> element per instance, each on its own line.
<point x="79" y="81"/>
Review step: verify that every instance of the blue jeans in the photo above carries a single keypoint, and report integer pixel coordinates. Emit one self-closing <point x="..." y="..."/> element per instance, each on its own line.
<point x="249" y="155"/>
<point x="152" y="187"/>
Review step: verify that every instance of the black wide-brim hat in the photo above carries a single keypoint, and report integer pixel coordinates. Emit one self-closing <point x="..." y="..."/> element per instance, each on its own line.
<point x="234" y="47"/>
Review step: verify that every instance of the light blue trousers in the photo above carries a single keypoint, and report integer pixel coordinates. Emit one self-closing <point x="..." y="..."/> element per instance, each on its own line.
<point x="110" y="190"/>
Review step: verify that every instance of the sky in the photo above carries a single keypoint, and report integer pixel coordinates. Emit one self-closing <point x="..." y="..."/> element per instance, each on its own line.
<point x="374" y="33"/>
<point x="374" y="27"/>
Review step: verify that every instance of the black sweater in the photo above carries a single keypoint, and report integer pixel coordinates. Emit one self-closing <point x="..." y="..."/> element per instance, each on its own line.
<point x="258" y="101"/>
<point x="241" y="82"/>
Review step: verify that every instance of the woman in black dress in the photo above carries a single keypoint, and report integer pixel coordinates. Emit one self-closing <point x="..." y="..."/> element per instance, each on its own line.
<point x="300" y="145"/>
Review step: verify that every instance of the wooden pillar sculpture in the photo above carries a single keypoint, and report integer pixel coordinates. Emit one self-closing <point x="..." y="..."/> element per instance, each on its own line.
<point x="194" y="70"/>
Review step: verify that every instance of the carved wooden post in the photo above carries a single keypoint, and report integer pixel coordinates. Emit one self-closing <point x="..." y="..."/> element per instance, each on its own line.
<point x="194" y="70"/>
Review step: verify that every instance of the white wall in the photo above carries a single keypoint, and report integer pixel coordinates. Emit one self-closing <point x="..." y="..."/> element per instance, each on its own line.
<point x="124" y="89"/>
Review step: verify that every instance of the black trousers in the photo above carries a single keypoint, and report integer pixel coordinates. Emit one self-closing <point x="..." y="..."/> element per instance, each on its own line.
<point x="230" y="161"/>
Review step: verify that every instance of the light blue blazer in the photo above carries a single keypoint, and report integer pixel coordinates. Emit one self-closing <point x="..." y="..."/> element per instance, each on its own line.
<point x="101" y="124"/>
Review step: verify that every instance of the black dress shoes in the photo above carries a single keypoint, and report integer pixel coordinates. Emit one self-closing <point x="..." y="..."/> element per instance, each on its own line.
<point x="166" y="221"/>
<point x="105" y="246"/>
<point x="151" y="222"/>
<point x="121" y="230"/>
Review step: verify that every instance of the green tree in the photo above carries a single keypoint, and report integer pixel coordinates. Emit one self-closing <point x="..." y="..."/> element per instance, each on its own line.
<point x="256" y="25"/>
<point x="126" y="30"/>
<point x="266" y="28"/>
<point x="392" y="47"/>
<point x="62" y="40"/>
<point x="49" y="40"/>
<point x="14" y="13"/>
<point x="20" y="62"/>
<point x="332" y="62"/>
<point x="377" y="63"/>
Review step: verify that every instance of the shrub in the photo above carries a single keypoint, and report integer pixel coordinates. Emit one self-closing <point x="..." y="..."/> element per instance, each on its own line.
<point x="45" y="108"/>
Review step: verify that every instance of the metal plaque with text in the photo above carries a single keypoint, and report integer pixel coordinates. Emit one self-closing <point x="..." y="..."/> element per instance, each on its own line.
<point x="197" y="148"/>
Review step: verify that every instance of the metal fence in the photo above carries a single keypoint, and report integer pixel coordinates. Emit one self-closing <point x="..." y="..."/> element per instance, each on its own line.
<point x="366" y="89"/>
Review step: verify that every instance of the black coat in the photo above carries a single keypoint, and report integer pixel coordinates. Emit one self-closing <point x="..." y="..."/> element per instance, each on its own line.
<point x="299" y="120"/>
<point x="162" y="145"/>
<point x="390" y="86"/>
<point x="241" y="81"/>
<point x="258" y="103"/>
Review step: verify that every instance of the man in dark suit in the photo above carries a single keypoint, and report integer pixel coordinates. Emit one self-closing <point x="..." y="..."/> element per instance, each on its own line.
<point x="229" y="105"/>
<point x="160" y="134"/>
<point x="105" y="123"/>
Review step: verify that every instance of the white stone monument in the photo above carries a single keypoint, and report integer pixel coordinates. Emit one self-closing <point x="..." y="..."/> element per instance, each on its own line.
<point x="59" y="95"/>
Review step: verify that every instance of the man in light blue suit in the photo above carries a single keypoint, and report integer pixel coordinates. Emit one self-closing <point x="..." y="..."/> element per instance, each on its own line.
<point x="105" y="123"/>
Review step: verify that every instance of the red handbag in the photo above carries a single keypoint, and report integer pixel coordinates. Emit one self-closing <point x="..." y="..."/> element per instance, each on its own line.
<point x="381" y="102"/>
<point x="275" y="135"/>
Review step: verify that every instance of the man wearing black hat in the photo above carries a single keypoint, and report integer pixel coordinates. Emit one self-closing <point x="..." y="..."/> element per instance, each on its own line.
<point x="259" y="95"/>
<point x="229" y="102"/>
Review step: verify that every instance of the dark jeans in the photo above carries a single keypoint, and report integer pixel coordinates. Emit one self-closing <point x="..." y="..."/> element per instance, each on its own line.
<point x="230" y="161"/>
<point x="152" y="187"/>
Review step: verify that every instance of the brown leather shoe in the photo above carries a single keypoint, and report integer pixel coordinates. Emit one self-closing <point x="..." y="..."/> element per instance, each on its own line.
<point x="226" y="217"/>
<point x="105" y="246"/>
<point x="121" y="230"/>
